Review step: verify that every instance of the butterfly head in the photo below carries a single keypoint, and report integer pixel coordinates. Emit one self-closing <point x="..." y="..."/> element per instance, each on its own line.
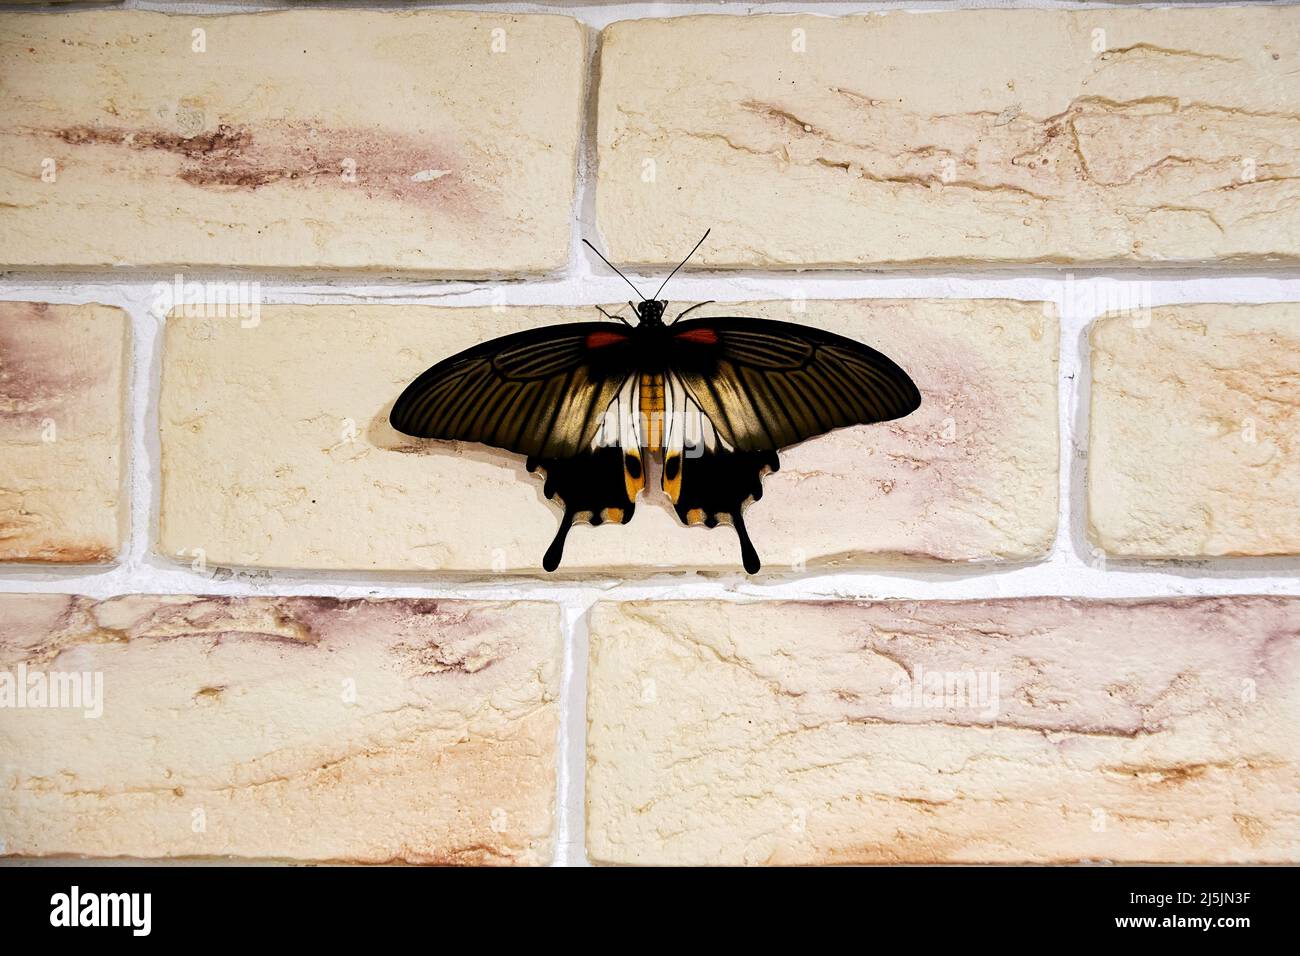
<point x="651" y="311"/>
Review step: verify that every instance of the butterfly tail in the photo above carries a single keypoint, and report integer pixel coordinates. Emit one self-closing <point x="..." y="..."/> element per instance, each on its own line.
<point x="594" y="486"/>
<point x="555" y="553"/>
<point x="716" y="486"/>
<point x="747" y="553"/>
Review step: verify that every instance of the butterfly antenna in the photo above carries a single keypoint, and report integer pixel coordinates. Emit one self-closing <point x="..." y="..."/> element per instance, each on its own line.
<point x="614" y="315"/>
<point x="684" y="261"/>
<point x="615" y="268"/>
<point x="697" y="305"/>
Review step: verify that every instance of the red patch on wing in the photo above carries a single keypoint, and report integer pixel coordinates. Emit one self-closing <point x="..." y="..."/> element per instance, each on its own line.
<point x="699" y="336"/>
<point x="598" y="340"/>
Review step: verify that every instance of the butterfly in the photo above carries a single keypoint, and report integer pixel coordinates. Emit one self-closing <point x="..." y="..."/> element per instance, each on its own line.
<point x="593" y="404"/>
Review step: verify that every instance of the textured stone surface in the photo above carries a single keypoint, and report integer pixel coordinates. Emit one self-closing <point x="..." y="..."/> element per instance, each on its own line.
<point x="1195" y="432"/>
<point x="1159" y="731"/>
<point x="277" y="450"/>
<point x="297" y="728"/>
<point x="1169" y="136"/>
<point x="310" y="139"/>
<point x="63" y="377"/>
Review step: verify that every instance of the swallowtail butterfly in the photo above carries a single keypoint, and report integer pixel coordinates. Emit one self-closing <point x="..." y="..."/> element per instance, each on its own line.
<point x="590" y="404"/>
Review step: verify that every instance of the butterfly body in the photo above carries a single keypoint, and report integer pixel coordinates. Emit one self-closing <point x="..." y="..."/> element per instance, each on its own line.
<point x="591" y="403"/>
<point x="650" y="398"/>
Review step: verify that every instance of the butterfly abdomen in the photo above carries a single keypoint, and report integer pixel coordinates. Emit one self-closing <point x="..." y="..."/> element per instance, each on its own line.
<point x="651" y="402"/>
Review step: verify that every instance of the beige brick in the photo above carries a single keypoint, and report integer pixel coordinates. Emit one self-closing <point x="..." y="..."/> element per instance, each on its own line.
<point x="1158" y="731"/>
<point x="1194" y="429"/>
<point x="277" y="452"/>
<point x="297" y="728"/>
<point x="959" y="137"/>
<point x="63" y="378"/>
<point x="244" y="155"/>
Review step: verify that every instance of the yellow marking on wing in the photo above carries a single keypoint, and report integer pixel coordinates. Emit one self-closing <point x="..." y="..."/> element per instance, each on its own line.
<point x="673" y="485"/>
<point x="633" y="483"/>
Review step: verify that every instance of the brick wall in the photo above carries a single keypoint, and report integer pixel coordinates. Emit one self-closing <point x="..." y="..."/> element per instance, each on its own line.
<point x="1050" y="617"/>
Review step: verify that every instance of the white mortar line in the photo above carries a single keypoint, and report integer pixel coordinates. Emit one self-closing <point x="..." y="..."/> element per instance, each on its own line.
<point x="570" y="829"/>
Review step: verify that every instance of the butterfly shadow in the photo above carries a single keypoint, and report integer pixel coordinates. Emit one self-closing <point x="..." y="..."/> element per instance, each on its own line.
<point x="382" y="436"/>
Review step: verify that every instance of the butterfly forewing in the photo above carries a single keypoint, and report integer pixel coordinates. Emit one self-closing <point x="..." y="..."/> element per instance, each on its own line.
<point x="542" y="392"/>
<point x="767" y="384"/>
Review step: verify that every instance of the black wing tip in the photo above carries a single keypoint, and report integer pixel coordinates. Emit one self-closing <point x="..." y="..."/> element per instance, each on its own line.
<point x="398" y="418"/>
<point x="914" y="399"/>
<point x="911" y="395"/>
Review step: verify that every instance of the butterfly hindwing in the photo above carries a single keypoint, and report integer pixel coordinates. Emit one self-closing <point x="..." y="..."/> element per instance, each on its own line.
<point x="541" y="392"/>
<point x="708" y="481"/>
<point x="599" y="483"/>
<point x="716" y="487"/>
